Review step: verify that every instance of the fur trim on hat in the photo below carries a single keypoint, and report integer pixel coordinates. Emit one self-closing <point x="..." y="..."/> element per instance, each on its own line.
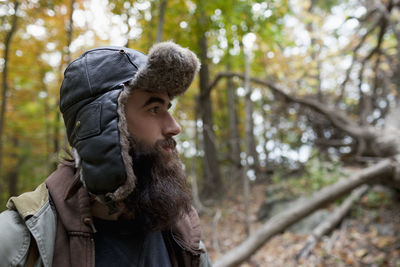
<point x="169" y="67"/>
<point x="124" y="190"/>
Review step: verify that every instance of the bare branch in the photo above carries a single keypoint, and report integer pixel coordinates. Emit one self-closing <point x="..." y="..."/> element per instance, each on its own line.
<point x="336" y="117"/>
<point x="382" y="20"/>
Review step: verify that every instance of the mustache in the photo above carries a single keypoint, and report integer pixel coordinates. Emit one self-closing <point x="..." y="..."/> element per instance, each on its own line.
<point x="168" y="142"/>
<point x="140" y="149"/>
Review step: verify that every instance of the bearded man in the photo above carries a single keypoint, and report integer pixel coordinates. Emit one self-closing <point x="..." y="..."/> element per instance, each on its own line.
<point x="123" y="199"/>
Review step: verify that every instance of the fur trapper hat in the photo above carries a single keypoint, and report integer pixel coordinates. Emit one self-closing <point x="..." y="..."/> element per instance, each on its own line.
<point x="93" y="97"/>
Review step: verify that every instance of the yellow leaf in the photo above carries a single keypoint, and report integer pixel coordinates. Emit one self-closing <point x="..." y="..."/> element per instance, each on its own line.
<point x="361" y="252"/>
<point x="384" y="242"/>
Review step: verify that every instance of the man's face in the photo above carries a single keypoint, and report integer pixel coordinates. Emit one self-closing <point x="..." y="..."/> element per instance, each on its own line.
<point x="161" y="192"/>
<point x="148" y="117"/>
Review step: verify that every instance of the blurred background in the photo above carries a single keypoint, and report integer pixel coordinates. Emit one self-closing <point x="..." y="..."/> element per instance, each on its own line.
<point x="292" y="96"/>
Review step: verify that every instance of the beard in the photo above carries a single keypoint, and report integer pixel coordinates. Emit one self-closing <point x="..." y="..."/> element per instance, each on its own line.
<point x="162" y="193"/>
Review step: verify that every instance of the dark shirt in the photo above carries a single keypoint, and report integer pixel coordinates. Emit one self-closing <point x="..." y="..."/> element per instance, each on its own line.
<point x="127" y="243"/>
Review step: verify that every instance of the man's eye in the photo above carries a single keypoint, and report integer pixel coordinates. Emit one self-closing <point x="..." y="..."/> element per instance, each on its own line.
<point x="154" y="110"/>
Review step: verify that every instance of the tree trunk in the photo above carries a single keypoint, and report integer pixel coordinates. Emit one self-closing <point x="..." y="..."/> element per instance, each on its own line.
<point x="315" y="52"/>
<point x="128" y="16"/>
<point x="46" y="113"/>
<point x="396" y="72"/>
<point x="160" y="24"/>
<point x="251" y="152"/>
<point x="195" y="191"/>
<point x="12" y="175"/>
<point x="150" y="36"/>
<point x="234" y="138"/>
<point x="213" y="182"/>
<point x="7" y="43"/>
<point x="69" y="31"/>
<point x="246" y="195"/>
<point x="283" y="220"/>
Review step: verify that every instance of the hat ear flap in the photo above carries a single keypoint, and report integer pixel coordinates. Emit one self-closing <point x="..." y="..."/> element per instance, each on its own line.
<point x="97" y="141"/>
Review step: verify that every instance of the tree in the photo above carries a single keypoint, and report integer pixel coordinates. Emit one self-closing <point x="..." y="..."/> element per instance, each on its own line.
<point x="160" y="24"/>
<point x="213" y="182"/>
<point x="36" y="53"/>
<point x="7" y="44"/>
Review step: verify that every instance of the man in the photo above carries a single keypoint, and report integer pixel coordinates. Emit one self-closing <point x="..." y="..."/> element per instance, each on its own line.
<point x="123" y="199"/>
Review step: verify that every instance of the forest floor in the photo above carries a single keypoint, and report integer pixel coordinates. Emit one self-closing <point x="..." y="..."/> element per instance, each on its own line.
<point x="369" y="235"/>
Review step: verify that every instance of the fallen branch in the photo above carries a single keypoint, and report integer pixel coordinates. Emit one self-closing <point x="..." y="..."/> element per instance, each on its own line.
<point x="326" y="226"/>
<point x="283" y="220"/>
<point x="371" y="140"/>
<point x="335" y="116"/>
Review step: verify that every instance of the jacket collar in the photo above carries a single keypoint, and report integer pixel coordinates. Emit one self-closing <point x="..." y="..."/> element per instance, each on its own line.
<point x="29" y="203"/>
<point x="71" y="199"/>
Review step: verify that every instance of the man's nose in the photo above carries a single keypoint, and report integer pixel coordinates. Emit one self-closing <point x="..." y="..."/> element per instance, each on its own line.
<point x="171" y="127"/>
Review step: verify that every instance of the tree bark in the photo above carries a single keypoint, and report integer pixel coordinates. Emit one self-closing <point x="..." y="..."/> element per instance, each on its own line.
<point x="283" y="220"/>
<point x="234" y="138"/>
<point x="128" y="16"/>
<point x="266" y="129"/>
<point x="213" y="183"/>
<point x="327" y="226"/>
<point x="160" y="24"/>
<point x="151" y="26"/>
<point x="251" y="152"/>
<point x="246" y="193"/>
<point x="69" y="31"/>
<point x="315" y="51"/>
<point x="396" y="74"/>
<point x="195" y="189"/>
<point x="7" y="43"/>
<point x="13" y="173"/>
<point x="46" y="113"/>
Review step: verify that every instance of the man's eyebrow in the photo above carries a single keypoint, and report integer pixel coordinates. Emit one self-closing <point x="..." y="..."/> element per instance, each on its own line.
<point x="155" y="99"/>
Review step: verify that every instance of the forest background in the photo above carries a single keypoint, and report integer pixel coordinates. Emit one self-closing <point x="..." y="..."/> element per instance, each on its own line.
<point x="296" y="94"/>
